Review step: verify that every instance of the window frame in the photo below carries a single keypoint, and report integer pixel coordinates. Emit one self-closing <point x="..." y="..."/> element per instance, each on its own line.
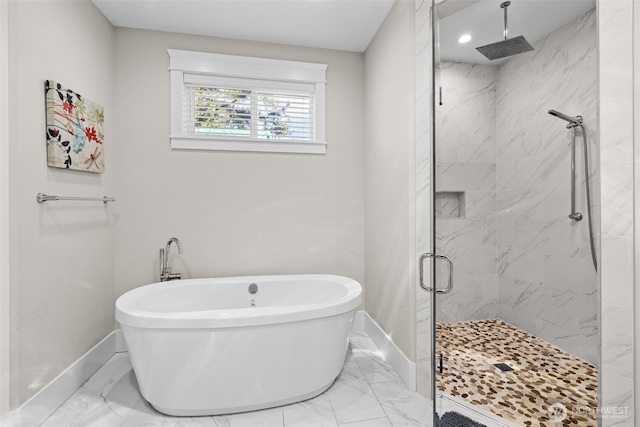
<point x="248" y="69"/>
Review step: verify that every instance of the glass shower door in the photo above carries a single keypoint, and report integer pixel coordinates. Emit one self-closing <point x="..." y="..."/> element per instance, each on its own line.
<point x="516" y="336"/>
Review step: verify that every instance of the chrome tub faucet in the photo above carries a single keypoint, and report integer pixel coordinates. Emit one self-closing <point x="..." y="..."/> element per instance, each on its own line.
<point x="165" y="268"/>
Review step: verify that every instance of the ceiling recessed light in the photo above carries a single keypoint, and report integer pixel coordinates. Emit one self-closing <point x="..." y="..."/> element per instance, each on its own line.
<point x="464" y="38"/>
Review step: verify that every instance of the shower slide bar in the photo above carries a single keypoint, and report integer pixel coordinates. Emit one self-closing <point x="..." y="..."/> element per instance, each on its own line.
<point x="573" y="124"/>
<point x="41" y="198"/>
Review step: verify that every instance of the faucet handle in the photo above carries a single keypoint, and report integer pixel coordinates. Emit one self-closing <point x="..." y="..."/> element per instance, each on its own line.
<point x="165" y="266"/>
<point x="161" y="263"/>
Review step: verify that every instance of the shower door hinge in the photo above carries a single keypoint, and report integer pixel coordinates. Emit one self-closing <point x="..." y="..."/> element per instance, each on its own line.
<point x="440" y="367"/>
<point x="440" y="96"/>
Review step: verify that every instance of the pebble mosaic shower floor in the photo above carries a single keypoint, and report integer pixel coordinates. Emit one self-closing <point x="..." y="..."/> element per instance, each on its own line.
<point x="547" y="386"/>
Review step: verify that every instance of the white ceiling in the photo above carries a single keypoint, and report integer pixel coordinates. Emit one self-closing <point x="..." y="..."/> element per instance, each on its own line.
<point x="484" y="21"/>
<point x="331" y="24"/>
<point x="342" y="24"/>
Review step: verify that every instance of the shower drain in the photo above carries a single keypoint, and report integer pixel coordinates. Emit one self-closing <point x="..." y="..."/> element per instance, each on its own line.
<point x="503" y="367"/>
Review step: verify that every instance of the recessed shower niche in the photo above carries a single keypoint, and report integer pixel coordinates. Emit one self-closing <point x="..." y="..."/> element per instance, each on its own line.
<point x="449" y="204"/>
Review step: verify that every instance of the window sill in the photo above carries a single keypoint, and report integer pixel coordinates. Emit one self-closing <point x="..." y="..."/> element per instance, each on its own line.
<point x="200" y="143"/>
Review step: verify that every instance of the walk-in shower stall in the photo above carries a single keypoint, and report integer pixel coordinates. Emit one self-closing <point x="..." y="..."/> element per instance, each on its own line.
<point x="513" y="263"/>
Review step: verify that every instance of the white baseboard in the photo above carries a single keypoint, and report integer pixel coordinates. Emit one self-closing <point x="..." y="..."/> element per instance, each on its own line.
<point x="358" y="322"/>
<point x="405" y="368"/>
<point x="45" y="402"/>
<point x="121" y="346"/>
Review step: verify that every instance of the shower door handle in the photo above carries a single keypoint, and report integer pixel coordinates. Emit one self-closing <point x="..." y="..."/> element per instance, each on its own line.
<point x="449" y="287"/>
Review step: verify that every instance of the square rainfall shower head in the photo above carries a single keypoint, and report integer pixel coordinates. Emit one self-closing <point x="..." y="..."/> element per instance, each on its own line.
<point x="504" y="48"/>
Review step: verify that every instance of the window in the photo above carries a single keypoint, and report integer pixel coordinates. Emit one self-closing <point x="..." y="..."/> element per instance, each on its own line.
<point x="224" y="102"/>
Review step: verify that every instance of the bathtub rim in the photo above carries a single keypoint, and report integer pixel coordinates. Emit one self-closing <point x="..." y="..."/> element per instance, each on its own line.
<point x="128" y="314"/>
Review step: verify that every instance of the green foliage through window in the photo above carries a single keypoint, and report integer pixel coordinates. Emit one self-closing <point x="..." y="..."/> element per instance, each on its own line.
<point x="252" y="113"/>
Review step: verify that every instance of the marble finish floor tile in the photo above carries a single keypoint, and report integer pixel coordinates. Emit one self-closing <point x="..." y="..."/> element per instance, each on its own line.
<point x="542" y="374"/>
<point x="366" y="393"/>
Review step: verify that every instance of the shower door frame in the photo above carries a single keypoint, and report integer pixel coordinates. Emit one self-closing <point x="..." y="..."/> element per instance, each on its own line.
<point x="432" y="214"/>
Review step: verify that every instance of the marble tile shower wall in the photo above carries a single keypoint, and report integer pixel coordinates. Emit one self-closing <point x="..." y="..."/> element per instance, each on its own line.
<point x="466" y="166"/>
<point x="546" y="281"/>
<point x="615" y="29"/>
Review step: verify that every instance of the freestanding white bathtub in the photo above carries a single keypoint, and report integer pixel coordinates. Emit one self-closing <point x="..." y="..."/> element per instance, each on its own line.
<point x="210" y="346"/>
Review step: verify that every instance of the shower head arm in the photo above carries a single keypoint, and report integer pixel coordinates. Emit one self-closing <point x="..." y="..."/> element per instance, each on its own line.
<point x="504" y="6"/>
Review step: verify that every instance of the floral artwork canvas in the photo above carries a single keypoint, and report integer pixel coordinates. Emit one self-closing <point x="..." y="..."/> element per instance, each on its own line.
<point x="75" y="135"/>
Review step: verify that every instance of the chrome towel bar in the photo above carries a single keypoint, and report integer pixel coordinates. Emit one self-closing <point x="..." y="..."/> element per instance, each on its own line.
<point x="41" y="198"/>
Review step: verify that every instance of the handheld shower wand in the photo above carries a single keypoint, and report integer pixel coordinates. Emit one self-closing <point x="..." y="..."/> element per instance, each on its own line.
<point x="575" y="122"/>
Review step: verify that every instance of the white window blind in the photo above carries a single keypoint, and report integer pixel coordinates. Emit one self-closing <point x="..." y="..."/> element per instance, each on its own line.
<point x="224" y="107"/>
<point x="233" y="112"/>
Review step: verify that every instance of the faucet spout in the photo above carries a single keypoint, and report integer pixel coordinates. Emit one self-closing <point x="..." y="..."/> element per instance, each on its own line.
<point x="177" y="242"/>
<point x="165" y="268"/>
